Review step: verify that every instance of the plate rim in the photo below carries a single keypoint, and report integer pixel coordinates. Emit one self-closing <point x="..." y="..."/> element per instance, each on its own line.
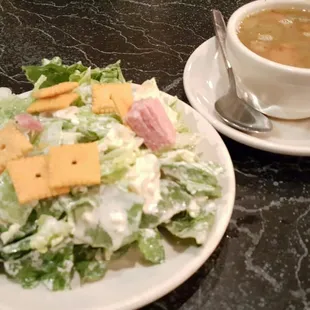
<point x="196" y="262"/>
<point x="228" y="131"/>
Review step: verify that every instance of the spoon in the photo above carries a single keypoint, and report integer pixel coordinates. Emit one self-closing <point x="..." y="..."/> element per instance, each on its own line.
<point x="233" y="110"/>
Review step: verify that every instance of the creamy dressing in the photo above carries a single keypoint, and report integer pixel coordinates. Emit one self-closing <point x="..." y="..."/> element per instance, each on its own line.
<point x="193" y="208"/>
<point x="68" y="114"/>
<point x="144" y="179"/>
<point x="85" y="91"/>
<point x="167" y="214"/>
<point x="148" y="233"/>
<point x="119" y="136"/>
<point x="9" y="235"/>
<point x="50" y="231"/>
<point x="68" y="265"/>
<point x="111" y="215"/>
<point x="178" y="155"/>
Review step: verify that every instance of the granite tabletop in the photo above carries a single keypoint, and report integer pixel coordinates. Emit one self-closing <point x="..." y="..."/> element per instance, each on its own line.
<point x="263" y="260"/>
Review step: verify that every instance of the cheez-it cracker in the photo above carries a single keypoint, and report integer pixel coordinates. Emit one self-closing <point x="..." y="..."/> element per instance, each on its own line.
<point x="73" y="165"/>
<point x="30" y="179"/>
<point x="13" y="145"/>
<point x="122" y="97"/>
<point x="52" y="104"/>
<point x="55" y="90"/>
<point x="102" y="102"/>
<point x="112" y="98"/>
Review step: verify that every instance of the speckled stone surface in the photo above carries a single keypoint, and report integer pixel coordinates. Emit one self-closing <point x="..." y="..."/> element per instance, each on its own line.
<point x="262" y="262"/>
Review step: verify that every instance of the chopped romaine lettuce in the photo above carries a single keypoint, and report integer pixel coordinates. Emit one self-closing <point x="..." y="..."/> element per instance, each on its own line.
<point x="11" y="212"/>
<point x="89" y="263"/>
<point x="51" y="232"/>
<point x="150" y="245"/>
<point x="173" y="201"/>
<point x="184" y="226"/>
<point x="178" y="156"/>
<point x="50" y="136"/>
<point x="56" y="72"/>
<point x="53" y="268"/>
<point x="12" y="106"/>
<point x="198" y="178"/>
<point x="113" y="223"/>
<point x="144" y="179"/>
<point x="118" y="151"/>
<point x="115" y="164"/>
<point x="16" y="232"/>
<point x="92" y="126"/>
<point x="52" y="206"/>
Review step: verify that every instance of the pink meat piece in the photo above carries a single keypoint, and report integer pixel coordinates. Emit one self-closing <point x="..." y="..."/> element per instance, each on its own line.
<point x="28" y="122"/>
<point x="148" y="119"/>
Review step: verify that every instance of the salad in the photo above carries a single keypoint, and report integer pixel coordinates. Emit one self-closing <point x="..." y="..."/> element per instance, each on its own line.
<point x="145" y="191"/>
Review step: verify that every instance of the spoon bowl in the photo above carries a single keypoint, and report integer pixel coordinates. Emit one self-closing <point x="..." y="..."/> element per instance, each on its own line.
<point x="233" y="110"/>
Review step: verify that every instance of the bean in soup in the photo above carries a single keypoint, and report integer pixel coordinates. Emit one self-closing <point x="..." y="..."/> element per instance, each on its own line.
<point x="280" y="35"/>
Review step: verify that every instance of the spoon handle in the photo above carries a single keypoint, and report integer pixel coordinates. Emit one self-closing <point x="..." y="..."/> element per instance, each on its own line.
<point x="220" y="33"/>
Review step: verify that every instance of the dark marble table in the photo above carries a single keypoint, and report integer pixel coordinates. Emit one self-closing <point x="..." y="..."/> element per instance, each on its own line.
<point x="262" y="262"/>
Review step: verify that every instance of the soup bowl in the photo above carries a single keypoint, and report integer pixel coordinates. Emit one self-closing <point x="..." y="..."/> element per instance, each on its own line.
<point x="277" y="90"/>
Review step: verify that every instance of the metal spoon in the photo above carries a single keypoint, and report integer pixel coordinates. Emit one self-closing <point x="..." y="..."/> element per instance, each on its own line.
<point x="233" y="110"/>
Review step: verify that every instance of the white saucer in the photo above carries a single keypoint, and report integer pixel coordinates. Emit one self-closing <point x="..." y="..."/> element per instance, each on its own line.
<point x="205" y="80"/>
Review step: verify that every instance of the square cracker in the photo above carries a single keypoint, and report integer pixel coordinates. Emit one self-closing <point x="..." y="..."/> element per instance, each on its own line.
<point x="112" y="98"/>
<point x="30" y="179"/>
<point x="122" y="97"/>
<point x="55" y="90"/>
<point x="75" y="164"/>
<point x="13" y="145"/>
<point x="52" y="104"/>
<point x="102" y="102"/>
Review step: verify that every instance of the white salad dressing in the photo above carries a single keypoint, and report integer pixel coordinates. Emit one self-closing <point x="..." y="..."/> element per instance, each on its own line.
<point x="144" y="179"/>
<point x="178" y="155"/>
<point x="148" y="233"/>
<point x="119" y="136"/>
<point x="8" y="235"/>
<point x="51" y="231"/>
<point x="85" y="91"/>
<point x="110" y="215"/>
<point x="68" y="113"/>
<point x="193" y="208"/>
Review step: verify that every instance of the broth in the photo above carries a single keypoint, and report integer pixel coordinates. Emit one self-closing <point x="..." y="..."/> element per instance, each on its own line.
<point x="280" y="35"/>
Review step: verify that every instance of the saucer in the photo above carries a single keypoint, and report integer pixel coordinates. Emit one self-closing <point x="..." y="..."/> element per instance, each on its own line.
<point x="206" y="80"/>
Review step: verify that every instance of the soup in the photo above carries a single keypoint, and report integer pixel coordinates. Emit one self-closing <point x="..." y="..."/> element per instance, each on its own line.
<point x="280" y="35"/>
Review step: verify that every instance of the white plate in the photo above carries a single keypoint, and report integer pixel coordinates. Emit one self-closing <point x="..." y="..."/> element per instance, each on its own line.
<point x="130" y="284"/>
<point x="205" y="80"/>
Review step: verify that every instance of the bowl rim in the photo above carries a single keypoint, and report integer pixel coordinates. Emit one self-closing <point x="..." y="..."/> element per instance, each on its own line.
<point x="252" y="8"/>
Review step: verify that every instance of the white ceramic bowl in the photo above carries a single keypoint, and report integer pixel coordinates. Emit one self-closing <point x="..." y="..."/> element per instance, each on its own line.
<point x="277" y="90"/>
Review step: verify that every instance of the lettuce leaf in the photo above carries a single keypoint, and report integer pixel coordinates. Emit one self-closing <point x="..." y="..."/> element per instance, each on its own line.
<point x="184" y="226"/>
<point x="150" y="245"/>
<point x="89" y="263"/>
<point x="112" y="223"/>
<point x="53" y="268"/>
<point x="11" y="212"/>
<point x="50" y="233"/>
<point x="56" y="72"/>
<point x="12" y="106"/>
<point x="16" y="232"/>
<point x="199" y="179"/>
<point x="174" y="199"/>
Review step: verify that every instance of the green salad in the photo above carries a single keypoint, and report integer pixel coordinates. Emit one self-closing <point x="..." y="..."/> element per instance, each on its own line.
<point x="141" y="195"/>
